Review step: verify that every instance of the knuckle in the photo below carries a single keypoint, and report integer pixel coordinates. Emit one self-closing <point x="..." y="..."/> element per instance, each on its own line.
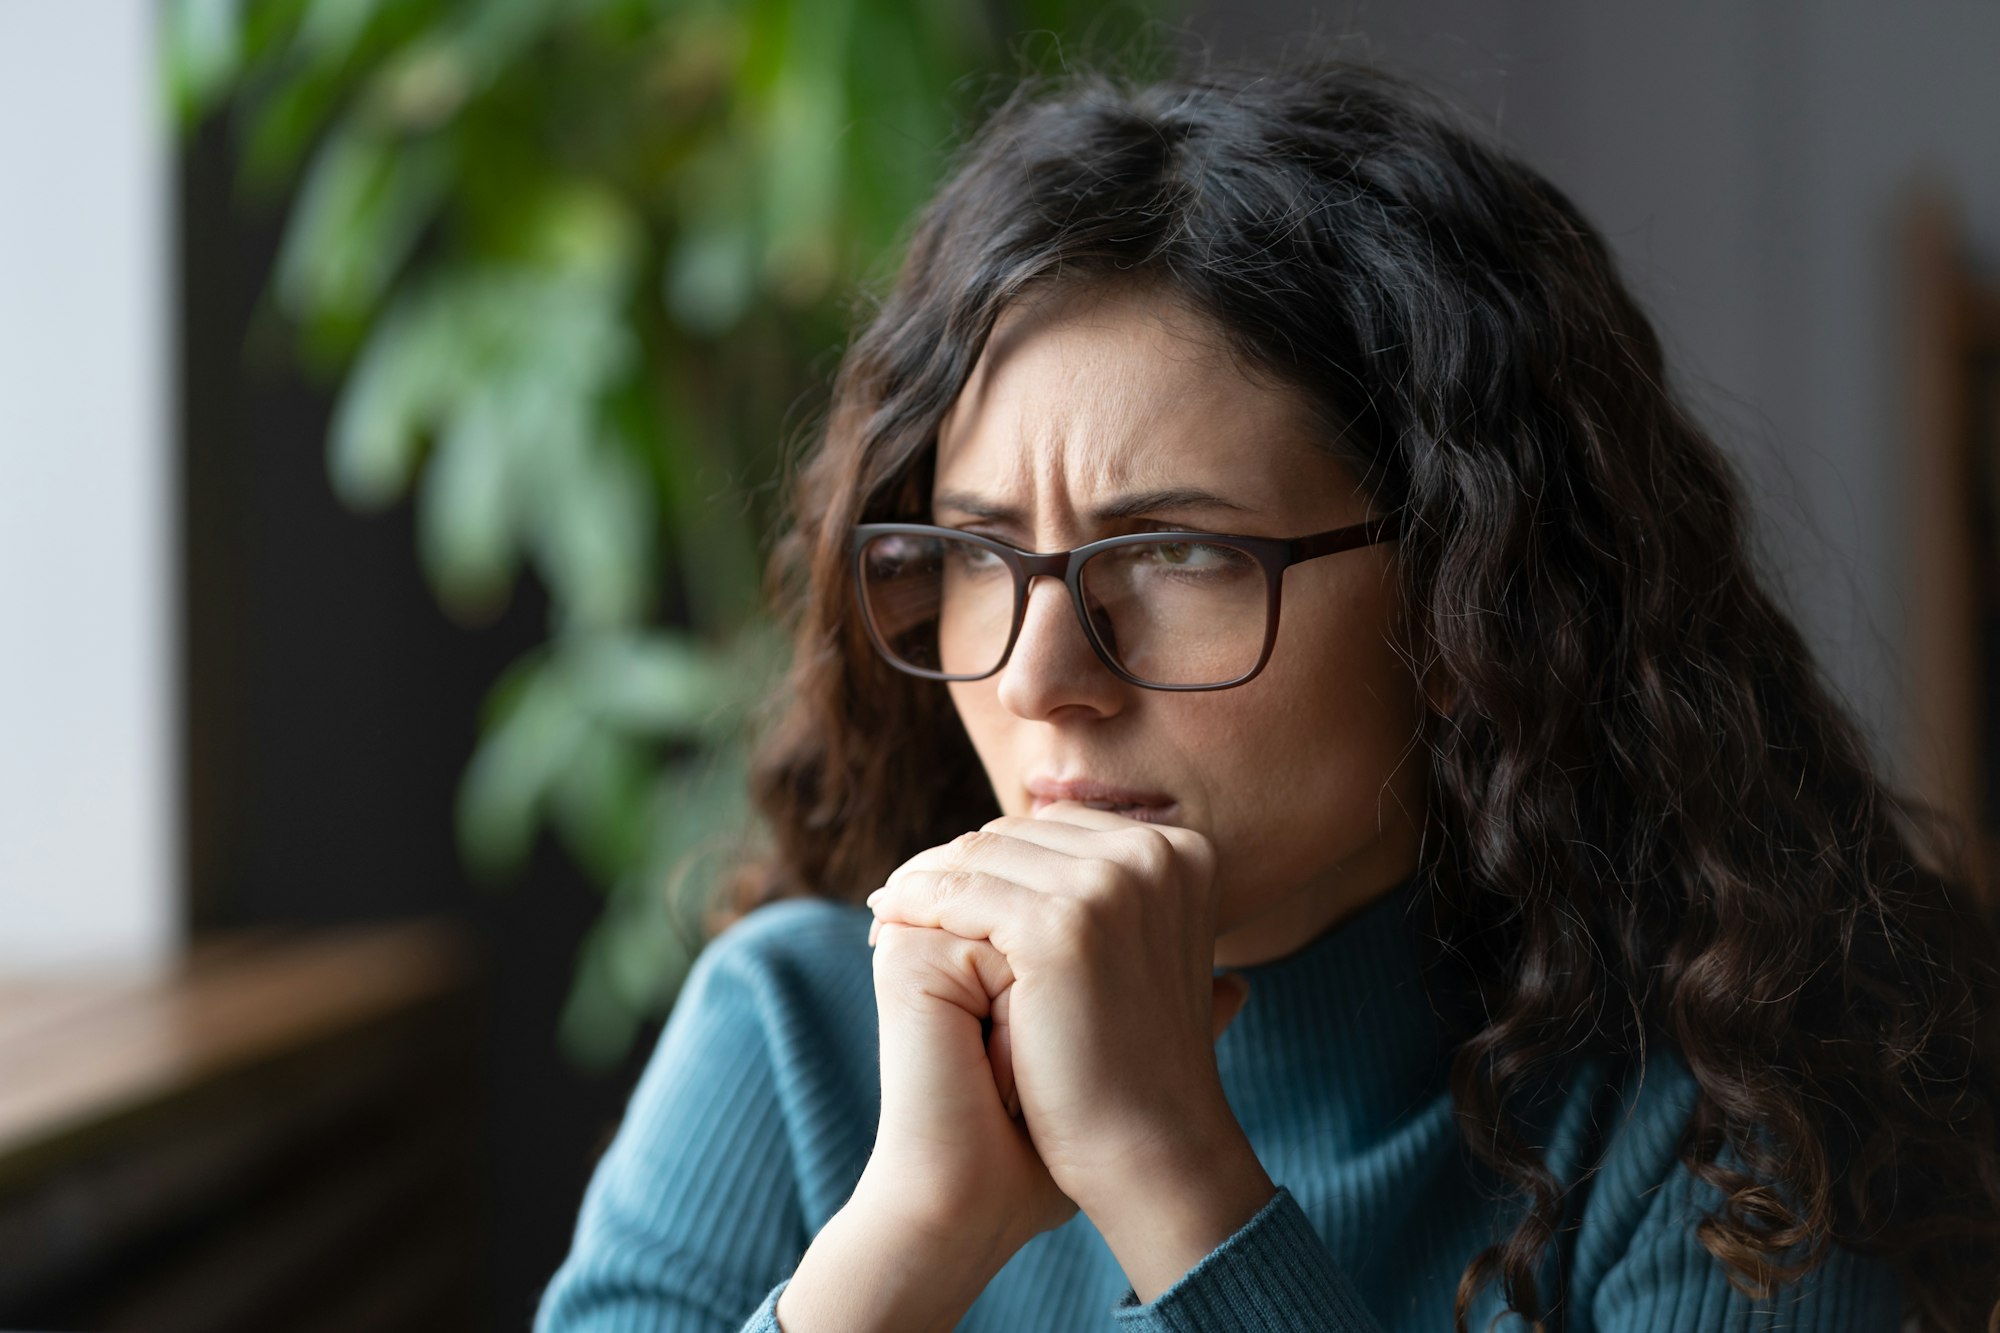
<point x="900" y="949"/>
<point x="919" y="965"/>
<point x="889" y="948"/>
<point x="1105" y="877"/>
<point x="1152" y="850"/>
<point x="954" y="882"/>
<point x="967" y="846"/>
<point x="962" y="954"/>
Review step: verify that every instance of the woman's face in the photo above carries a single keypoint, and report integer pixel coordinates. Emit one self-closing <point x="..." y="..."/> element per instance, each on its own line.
<point x="1307" y="779"/>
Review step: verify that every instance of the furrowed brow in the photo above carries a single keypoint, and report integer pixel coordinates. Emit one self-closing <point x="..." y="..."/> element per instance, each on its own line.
<point x="1124" y="506"/>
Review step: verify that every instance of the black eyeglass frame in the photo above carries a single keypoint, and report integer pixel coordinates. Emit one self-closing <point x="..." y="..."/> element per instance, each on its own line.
<point x="1273" y="554"/>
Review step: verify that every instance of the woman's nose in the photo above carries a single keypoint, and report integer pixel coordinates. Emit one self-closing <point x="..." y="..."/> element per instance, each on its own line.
<point x="1052" y="663"/>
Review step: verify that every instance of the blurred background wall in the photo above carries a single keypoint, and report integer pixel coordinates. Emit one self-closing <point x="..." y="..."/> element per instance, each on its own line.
<point x="1749" y="164"/>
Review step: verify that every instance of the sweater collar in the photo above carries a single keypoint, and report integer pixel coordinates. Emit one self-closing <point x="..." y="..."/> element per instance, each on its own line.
<point x="1343" y="1021"/>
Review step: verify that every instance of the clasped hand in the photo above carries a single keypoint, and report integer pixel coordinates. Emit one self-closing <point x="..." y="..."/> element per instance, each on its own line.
<point x="1086" y="940"/>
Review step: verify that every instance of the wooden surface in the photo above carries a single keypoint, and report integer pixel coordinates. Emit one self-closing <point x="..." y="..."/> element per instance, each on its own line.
<point x="280" y="1133"/>
<point x="77" y="1054"/>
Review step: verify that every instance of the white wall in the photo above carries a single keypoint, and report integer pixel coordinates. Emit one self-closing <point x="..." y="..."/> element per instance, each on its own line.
<point x="1747" y="162"/>
<point x="88" y="827"/>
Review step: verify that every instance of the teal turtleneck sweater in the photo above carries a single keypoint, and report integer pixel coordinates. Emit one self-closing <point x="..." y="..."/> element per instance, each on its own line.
<point x="755" y="1116"/>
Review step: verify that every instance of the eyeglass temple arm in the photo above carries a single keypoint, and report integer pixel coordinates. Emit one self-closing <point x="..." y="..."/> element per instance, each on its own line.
<point x="1365" y="533"/>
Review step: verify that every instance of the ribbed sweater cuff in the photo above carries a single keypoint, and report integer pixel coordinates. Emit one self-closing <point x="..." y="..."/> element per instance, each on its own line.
<point x="1273" y="1276"/>
<point x="765" y="1320"/>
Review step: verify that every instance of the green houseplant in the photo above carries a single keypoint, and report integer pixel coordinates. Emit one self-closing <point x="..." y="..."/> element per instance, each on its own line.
<point x="575" y="268"/>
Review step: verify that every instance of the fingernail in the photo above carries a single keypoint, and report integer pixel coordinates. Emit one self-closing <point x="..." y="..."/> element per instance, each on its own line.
<point x="873" y="896"/>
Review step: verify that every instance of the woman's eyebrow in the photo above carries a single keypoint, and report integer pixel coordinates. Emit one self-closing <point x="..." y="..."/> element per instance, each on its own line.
<point x="1124" y="506"/>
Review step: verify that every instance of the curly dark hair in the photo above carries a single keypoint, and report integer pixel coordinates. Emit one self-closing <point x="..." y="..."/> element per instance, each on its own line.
<point x="1655" y="821"/>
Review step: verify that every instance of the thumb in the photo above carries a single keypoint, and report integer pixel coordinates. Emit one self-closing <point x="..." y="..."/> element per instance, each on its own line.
<point x="1232" y="990"/>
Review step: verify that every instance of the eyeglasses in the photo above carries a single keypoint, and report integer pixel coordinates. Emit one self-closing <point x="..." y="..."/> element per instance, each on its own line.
<point x="1165" y="610"/>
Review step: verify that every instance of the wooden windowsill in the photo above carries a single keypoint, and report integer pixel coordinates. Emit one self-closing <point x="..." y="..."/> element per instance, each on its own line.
<point x="280" y="1132"/>
<point x="78" y="1056"/>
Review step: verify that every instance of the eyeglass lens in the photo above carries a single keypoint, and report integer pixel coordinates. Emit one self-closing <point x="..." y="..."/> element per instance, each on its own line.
<point x="1169" y="612"/>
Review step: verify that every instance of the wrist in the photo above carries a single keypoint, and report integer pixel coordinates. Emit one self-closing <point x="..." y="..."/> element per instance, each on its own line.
<point x="883" y="1264"/>
<point x="957" y="1227"/>
<point x="1168" y="1212"/>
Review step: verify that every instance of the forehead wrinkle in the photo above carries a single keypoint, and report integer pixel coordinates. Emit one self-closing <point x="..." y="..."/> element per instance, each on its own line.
<point x="1079" y="449"/>
<point x="1074" y="424"/>
<point x="1062" y="421"/>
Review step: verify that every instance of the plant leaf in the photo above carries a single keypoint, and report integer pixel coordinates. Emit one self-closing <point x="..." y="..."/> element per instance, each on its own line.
<point x="360" y="211"/>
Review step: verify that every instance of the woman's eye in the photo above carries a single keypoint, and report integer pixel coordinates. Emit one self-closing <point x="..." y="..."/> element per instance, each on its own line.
<point x="1184" y="553"/>
<point x="972" y="558"/>
<point x="1196" y="560"/>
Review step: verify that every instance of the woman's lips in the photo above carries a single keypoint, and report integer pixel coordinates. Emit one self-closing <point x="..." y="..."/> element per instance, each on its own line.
<point x="1147" y="814"/>
<point x="1152" y="807"/>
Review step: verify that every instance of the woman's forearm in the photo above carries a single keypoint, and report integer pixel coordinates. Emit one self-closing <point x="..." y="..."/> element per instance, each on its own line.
<point x="1177" y="1208"/>
<point x="874" y="1269"/>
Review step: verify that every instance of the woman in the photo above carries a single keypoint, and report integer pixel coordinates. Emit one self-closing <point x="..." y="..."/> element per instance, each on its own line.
<point x="1399" y="867"/>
